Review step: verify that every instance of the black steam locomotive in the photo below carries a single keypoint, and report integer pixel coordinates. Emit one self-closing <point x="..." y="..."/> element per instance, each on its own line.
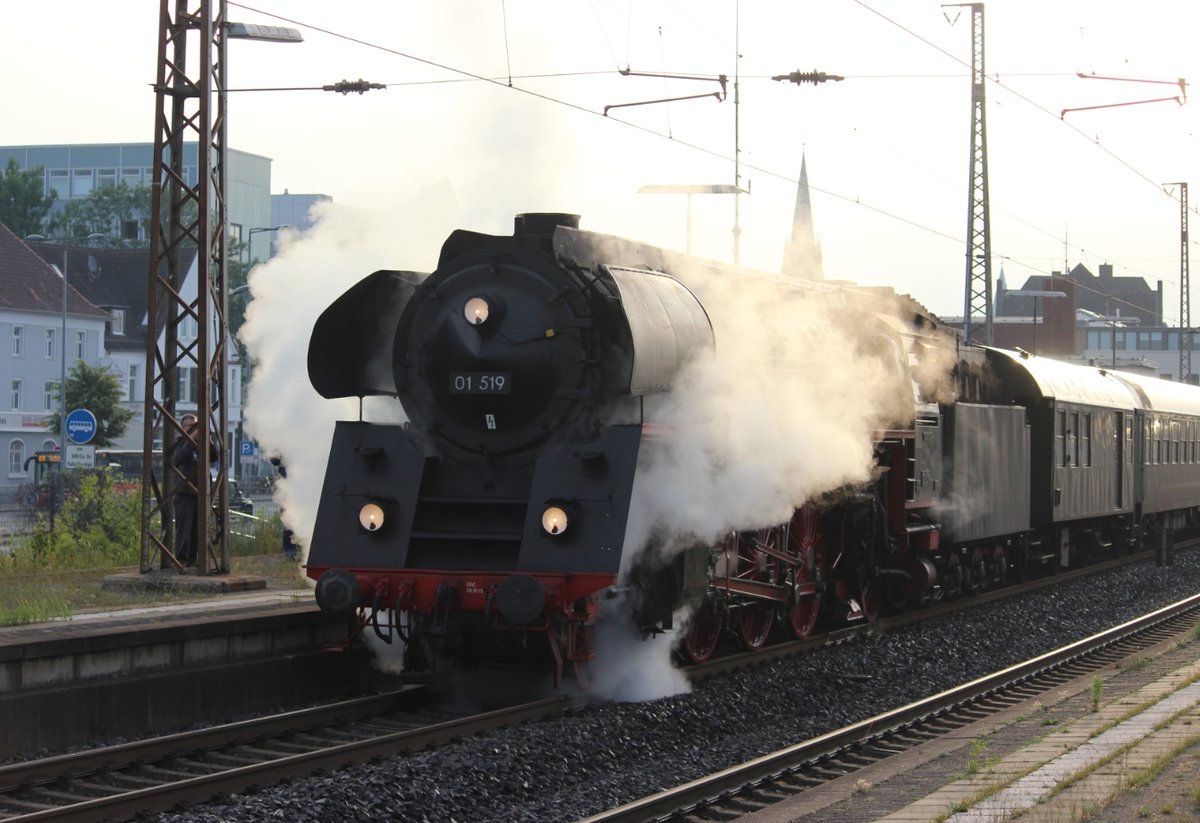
<point x="487" y="527"/>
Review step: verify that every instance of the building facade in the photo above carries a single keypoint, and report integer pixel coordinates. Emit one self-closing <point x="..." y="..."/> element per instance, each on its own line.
<point x="34" y="353"/>
<point x="75" y="171"/>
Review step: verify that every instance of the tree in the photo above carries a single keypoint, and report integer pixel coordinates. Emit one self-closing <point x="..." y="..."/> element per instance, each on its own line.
<point x="117" y="211"/>
<point x="122" y="212"/>
<point x="23" y="207"/>
<point x="96" y="389"/>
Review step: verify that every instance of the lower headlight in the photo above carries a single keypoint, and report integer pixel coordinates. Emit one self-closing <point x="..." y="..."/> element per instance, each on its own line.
<point x="370" y="517"/>
<point x="555" y="520"/>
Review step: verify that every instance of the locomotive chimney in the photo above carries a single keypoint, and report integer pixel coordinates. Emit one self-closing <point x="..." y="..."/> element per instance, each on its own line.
<point x="543" y="223"/>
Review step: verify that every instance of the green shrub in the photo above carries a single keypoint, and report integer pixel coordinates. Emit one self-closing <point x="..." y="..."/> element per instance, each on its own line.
<point x="98" y="527"/>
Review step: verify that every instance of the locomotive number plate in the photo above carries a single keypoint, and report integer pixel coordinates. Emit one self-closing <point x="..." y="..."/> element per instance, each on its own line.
<point x="477" y="382"/>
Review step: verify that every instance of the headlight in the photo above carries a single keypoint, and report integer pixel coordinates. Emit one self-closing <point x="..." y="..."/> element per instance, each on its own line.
<point x="555" y="520"/>
<point x="476" y="311"/>
<point x="370" y="517"/>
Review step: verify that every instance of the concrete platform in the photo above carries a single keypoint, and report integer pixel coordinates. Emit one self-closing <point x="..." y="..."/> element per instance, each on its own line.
<point x="1060" y="756"/>
<point x="187" y="581"/>
<point x="133" y="672"/>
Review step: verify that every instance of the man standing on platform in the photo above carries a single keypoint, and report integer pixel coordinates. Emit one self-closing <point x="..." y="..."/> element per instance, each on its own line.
<point x="187" y="462"/>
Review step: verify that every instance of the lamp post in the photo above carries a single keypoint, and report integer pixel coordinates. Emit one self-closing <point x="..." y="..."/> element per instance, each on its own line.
<point x="689" y="189"/>
<point x="250" y="240"/>
<point x="62" y="386"/>
<point x="1035" y="295"/>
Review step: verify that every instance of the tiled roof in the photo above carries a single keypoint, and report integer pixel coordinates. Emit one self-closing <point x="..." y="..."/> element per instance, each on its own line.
<point x="29" y="283"/>
<point x="110" y="278"/>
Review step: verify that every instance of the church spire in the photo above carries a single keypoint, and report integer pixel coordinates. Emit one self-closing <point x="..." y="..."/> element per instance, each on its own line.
<point x="802" y="255"/>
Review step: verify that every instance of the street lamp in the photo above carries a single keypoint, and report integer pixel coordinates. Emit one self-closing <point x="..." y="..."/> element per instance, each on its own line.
<point x="1035" y="295"/>
<point x="250" y="240"/>
<point x="689" y="189"/>
<point x="62" y="386"/>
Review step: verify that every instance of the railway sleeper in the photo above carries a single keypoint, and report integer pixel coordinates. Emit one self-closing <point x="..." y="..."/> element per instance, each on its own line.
<point x="854" y="760"/>
<point x="18" y="806"/>
<point x="58" y="796"/>
<point x="800" y="780"/>
<point x="124" y="780"/>
<point x="95" y="789"/>
<point x="201" y="766"/>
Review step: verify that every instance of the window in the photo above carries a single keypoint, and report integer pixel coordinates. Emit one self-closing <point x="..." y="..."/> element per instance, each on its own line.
<point x="1061" y="438"/>
<point x="132" y="383"/>
<point x="1085" y="434"/>
<point x="80" y="338"/>
<point x="187" y="381"/>
<point x="188" y="328"/>
<point x="118" y="321"/>
<point x="82" y="183"/>
<point x="235" y="386"/>
<point x="131" y="177"/>
<point x="1073" y="436"/>
<point x="60" y="183"/>
<point x="16" y="458"/>
<point x="16" y="394"/>
<point x="49" y="445"/>
<point x="18" y="337"/>
<point x="50" y="347"/>
<point x="49" y="394"/>
<point x="106" y="177"/>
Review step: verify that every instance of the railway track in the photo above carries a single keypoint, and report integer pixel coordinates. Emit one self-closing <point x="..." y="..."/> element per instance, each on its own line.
<point x="769" y="779"/>
<point x="117" y="782"/>
<point x="160" y="773"/>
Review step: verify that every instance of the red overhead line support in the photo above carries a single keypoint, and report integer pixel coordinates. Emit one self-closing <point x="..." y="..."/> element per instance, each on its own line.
<point x="719" y="95"/>
<point x="1180" y="98"/>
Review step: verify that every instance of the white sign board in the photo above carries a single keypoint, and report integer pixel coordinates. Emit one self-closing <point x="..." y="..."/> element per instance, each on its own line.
<point x="79" y="457"/>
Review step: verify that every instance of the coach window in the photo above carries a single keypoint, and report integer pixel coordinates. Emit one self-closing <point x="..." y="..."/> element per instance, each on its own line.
<point x="1086" y="434"/>
<point x="1073" y="435"/>
<point x="1061" y="437"/>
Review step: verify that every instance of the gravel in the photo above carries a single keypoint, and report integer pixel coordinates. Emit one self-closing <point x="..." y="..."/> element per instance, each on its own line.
<point x="572" y="767"/>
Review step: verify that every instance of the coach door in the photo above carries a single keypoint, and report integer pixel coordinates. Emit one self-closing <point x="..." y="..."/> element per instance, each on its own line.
<point x="1122" y="421"/>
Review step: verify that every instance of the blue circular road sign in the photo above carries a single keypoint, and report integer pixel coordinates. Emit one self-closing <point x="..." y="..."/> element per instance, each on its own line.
<point x="81" y="426"/>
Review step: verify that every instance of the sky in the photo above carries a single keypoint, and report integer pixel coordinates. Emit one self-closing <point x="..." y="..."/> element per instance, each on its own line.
<point x="887" y="148"/>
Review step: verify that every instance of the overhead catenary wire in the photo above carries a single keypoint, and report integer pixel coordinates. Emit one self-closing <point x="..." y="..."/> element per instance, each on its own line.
<point x="468" y="76"/>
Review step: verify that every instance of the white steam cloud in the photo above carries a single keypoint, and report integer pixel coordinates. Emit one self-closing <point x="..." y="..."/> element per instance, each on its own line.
<point x="782" y="413"/>
<point x="283" y="412"/>
<point x="785" y="410"/>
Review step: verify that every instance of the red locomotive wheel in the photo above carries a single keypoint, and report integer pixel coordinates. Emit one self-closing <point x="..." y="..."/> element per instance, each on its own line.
<point x="872" y="599"/>
<point x="754" y="621"/>
<point x="703" y="631"/>
<point x="754" y="625"/>
<point x="804" y="541"/>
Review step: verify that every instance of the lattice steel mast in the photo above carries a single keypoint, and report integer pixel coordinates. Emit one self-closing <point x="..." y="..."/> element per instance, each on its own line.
<point x="185" y="216"/>
<point x="977" y="305"/>
<point x="1185" y="299"/>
